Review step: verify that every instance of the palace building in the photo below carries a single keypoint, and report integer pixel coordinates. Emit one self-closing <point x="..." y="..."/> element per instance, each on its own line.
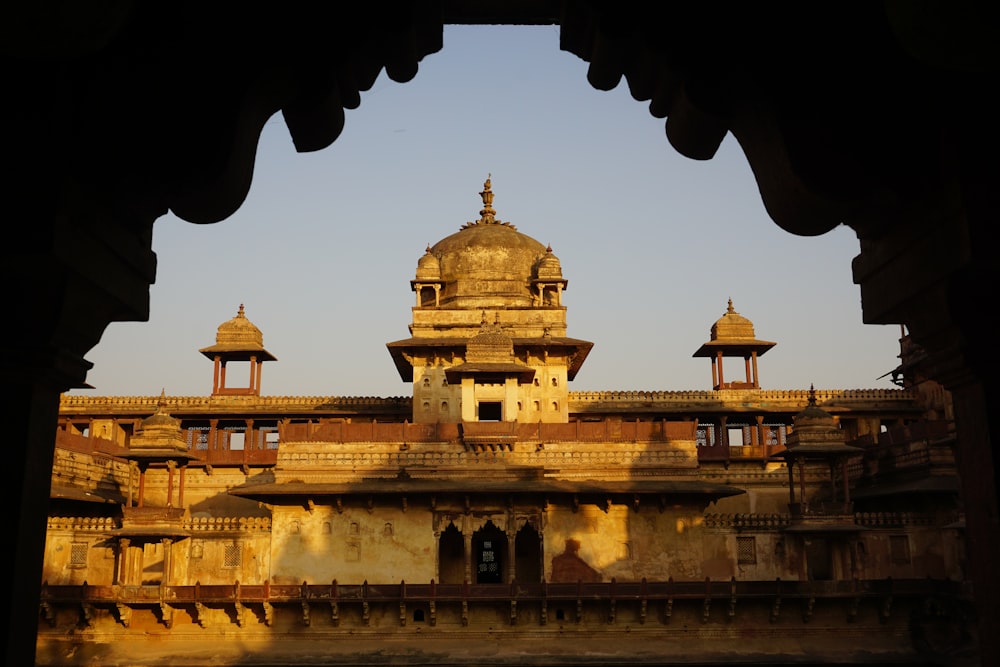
<point x="496" y="516"/>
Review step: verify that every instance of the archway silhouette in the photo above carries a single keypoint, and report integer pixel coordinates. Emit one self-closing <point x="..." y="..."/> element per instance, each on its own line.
<point x="833" y="135"/>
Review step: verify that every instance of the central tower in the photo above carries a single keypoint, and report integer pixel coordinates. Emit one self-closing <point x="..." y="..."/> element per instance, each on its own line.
<point x="488" y="337"/>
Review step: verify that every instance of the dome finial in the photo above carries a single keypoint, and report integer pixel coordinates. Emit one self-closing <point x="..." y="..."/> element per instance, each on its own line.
<point x="812" y="394"/>
<point x="487" y="214"/>
<point x="730" y="309"/>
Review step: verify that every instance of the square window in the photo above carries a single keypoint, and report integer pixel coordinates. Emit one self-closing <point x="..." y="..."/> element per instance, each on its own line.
<point x="490" y="411"/>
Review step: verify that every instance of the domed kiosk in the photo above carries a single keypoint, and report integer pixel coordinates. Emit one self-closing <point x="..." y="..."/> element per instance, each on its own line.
<point x="732" y="335"/>
<point x="237" y="339"/>
<point x="488" y="270"/>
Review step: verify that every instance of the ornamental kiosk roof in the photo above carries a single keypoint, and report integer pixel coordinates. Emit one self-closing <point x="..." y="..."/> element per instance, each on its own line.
<point x="733" y="335"/>
<point x="238" y="339"/>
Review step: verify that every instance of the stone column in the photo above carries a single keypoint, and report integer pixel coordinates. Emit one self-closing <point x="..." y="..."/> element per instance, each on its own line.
<point x="511" y="566"/>
<point x="121" y="571"/>
<point x="168" y="559"/>
<point x="171" y="468"/>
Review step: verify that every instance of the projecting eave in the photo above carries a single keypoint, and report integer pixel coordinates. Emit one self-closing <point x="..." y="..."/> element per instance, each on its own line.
<point x="158" y="455"/>
<point x="287" y="492"/>
<point x="824" y="528"/>
<point x="577" y="349"/>
<point x="61" y="492"/>
<point x="241" y="353"/>
<point x="734" y="347"/>
<point x="523" y="373"/>
<point x="818" y="451"/>
<point x="936" y="484"/>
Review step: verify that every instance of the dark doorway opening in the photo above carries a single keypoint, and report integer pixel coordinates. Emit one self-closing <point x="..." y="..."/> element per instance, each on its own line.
<point x="490" y="411"/>
<point x="819" y="559"/>
<point x="489" y="546"/>
<point x="528" y="555"/>
<point x="451" y="556"/>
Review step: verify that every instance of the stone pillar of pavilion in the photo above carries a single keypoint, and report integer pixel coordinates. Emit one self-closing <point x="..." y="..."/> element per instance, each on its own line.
<point x="237" y="340"/>
<point x="732" y="335"/>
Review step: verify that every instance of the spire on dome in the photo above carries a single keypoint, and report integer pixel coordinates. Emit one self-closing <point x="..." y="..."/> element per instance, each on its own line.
<point x="487" y="214"/>
<point x="730" y="309"/>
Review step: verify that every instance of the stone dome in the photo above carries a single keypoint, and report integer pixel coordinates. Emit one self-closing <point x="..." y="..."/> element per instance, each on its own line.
<point x="239" y="332"/>
<point x="549" y="267"/>
<point x="487" y="262"/>
<point x="428" y="267"/>
<point x="732" y="326"/>
<point x="158" y="433"/>
<point x="160" y="420"/>
<point x="814" y="429"/>
<point x="239" y="338"/>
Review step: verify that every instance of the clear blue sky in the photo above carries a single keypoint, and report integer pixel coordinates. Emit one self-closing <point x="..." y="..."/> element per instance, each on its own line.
<point x="653" y="244"/>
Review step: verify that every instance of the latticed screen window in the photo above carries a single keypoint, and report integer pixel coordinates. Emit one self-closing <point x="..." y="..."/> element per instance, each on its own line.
<point x="231" y="555"/>
<point x="705" y="436"/>
<point x="746" y="550"/>
<point x="78" y="555"/>
<point x="197" y="437"/>
<point x="774" y="434"/>
<point x="899" y="549"/>
<point x="267" y="437"/>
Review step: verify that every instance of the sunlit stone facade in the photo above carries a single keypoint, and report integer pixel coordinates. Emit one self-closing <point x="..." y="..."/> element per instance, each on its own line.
<point x="495" y="500"/>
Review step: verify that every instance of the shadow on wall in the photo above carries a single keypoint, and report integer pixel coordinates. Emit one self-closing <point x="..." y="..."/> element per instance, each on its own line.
<point x="569" y="567"/>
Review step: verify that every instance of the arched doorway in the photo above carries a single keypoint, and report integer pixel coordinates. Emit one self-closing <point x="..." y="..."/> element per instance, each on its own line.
<point x="528" y="554"/>
<point x="489" y="554"/>
<point x="451" y="556"/>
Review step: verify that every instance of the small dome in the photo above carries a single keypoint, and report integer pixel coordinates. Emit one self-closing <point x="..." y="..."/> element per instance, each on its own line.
<point x="812" y="417"/>
<point x="239" y="339"/>
<point x="549" y="267"/>
<point x="428" y="267"/>
<point x="160" y="420"/>
<point x="816" y="431"/>
<point x="239" y="332"/>
<point x="158" y="435"/>
<point x="732" y="326"/>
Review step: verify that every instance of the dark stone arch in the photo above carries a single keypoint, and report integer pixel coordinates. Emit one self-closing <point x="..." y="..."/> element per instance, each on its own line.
<point x="528" y="556"/>
<point x="893" y="136"/>
<point x="489" y="554"/>
<point x="451" y="556"/>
